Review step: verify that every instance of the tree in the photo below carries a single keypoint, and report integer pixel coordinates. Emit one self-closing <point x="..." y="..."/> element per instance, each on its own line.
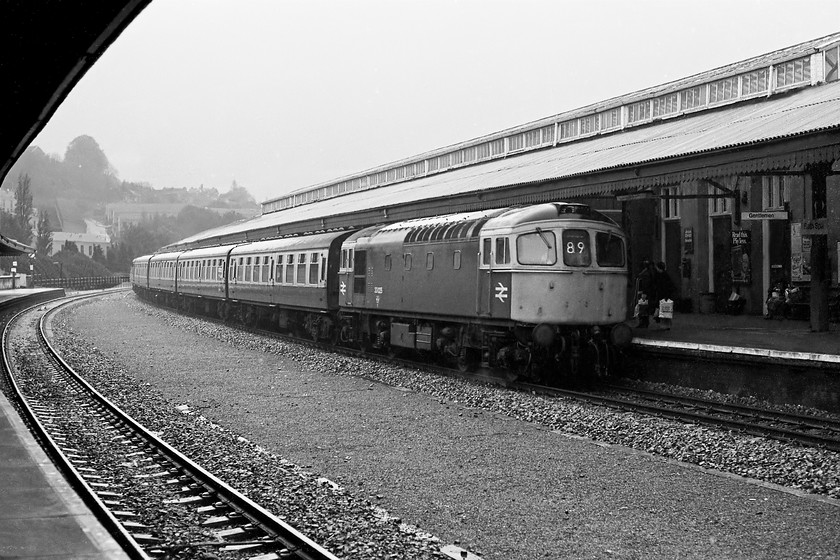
<point x="44" y="237"/>
<point x="237" y="197"/>
<point x="98" y="255"/>
<point x="70" y="247"/>
<point x="85" y="154"/>
<point x="23" y="209"/>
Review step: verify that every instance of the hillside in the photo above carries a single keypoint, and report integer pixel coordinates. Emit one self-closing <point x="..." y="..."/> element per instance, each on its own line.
<point x="83" y="182"/>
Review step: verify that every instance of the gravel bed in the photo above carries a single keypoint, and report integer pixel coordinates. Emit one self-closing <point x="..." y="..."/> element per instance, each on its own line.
<point x="352" y="526"/>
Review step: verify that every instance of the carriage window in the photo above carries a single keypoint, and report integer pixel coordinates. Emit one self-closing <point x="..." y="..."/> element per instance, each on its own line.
<point x="313" y="268"/>
<point x="301" y="269"/>
<point x="266" y="269"/>
<point x="609" y="249"/>
<point x="502" y="250"/>
<point x="576" y="251"/>
<point x="387" y="262"/>
<point x="456" y="260"/>
<point x="290" y="269"/>
<point x="323" y="268"/>
<point x="278" y="269"/>
<point x="485" y="252"/>
<point x="430" y="261"/>
<point x="536" y="248"/>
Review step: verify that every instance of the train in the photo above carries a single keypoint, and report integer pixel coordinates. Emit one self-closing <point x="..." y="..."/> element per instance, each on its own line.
<point x="536" y="291"/>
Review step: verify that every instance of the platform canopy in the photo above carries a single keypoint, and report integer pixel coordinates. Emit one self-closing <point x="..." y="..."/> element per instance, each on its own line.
<point x="9" y="247"/>
<point x="47" y="46"/>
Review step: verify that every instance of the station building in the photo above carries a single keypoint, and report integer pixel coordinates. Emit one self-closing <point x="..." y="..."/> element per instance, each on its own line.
<point x="731" y="177"/>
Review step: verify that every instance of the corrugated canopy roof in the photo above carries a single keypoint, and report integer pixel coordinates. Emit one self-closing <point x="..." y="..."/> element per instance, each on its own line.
<point x="807" y="111"/>
<point x="9" y="247"/>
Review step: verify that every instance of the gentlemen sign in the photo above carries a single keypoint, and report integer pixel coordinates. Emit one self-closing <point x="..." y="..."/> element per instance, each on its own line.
<point x="769" y="215"/>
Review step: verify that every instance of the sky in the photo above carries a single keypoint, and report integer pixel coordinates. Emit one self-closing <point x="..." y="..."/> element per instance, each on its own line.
<point x="282" y="94"/>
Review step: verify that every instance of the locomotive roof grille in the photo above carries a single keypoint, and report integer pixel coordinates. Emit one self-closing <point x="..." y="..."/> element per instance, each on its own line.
<point x="466" y="229"/>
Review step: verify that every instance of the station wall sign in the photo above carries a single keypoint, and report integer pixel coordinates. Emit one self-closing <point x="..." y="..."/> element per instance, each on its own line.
<point x="766" y="215"/>
<point x="815" y="227"/>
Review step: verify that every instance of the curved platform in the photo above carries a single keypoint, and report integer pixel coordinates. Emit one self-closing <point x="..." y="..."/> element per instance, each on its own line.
<point x="41" y="516"/>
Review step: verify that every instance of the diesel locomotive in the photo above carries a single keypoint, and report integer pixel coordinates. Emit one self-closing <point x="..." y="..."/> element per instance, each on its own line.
<point x="537" y="291"/>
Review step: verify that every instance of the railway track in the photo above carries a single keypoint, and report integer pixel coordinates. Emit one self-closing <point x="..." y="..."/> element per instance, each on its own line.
<point x="154" y="500"/>
<point x="806" y="430"/>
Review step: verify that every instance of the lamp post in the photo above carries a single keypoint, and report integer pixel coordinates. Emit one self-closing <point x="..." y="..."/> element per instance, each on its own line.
<point x="14" y="273"/>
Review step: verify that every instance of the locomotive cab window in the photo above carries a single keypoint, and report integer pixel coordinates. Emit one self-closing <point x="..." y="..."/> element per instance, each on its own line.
<point x="347" y="259"/>
<point x="486" y="250"/>
<point x="360" y="272"/>
<point x="609" y="249"/>
<point x="539" y="247"/>
<point x="502" y="250"/>
<point x="576" y="250"/>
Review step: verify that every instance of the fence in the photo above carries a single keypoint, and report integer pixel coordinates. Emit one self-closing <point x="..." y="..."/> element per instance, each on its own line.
<point x="88" y="283"/>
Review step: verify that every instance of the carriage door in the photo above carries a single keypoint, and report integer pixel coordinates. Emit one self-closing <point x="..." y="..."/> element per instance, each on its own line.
<point x="494" y="278"/>
<point x="345" y="278"/>
<point x="359" y="278"/>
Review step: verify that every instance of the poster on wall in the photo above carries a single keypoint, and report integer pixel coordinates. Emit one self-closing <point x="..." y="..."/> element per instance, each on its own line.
<point x="800" y="254"/>
<point x="741" y="250"/>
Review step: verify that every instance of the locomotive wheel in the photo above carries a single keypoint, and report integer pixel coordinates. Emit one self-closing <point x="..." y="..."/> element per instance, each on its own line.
<point x="335" y="335"/>
<point x="468" y="360"/>
<point x="362" y="343"/>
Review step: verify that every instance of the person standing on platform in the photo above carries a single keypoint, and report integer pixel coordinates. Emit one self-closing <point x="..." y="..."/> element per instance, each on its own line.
<point x="664" y="289"/>
<point x="644" y="287"/>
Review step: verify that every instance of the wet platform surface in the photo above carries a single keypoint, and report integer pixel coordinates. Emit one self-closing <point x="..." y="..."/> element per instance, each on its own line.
<point x="746" y="334"/>
<point x="41" y="516"/>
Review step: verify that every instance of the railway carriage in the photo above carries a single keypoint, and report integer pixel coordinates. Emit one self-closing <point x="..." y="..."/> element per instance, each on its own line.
<point x="201" y="279"/>
<point x="294" y="279"/>
<point x="162" y="276"/>
<point x="139" y="273"/>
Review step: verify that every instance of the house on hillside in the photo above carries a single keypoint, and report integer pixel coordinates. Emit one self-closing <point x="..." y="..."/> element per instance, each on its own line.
<point x="85" y="242"/>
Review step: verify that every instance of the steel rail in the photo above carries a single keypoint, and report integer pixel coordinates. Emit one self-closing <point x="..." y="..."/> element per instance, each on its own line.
<point x="749" y="426"/>
<point x="292" y="539"/>
<point x="88" y="495"/>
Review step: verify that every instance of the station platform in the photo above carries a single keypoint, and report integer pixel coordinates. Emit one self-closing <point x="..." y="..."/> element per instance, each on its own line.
<point x="747" y="335"/>
<point x="776" y="360"/>
<point x="31" y="295"/>
<point x="41" y="516"/>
